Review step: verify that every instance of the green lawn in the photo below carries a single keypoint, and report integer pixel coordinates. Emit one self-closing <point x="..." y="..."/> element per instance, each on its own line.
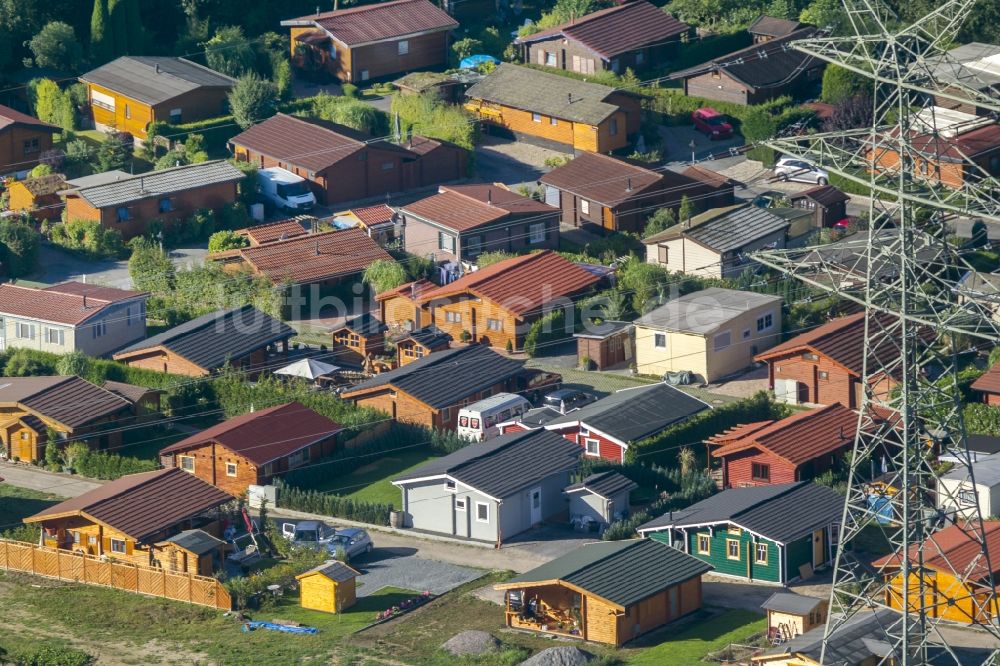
<point x="703" y="636"/>
<point x="17" y="503"/>
<point x="372" y="483"/>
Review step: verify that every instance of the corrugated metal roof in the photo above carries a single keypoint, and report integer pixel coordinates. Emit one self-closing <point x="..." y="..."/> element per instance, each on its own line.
<point x="71" y="401"/>
<point x="504" y="465"/>
<point x="602" y="178"/>
<point x="143" y="505"/>
<point x="445" y="378"/>
<point x="315" y="257"/>
<point x="616" y="30"/>
<point x="266" y="435"/>
<point x="605" y="484"/>
<point x="736" y="228"/>
<point x="632" y="414"/>
<point x="778" y="67"/>
<point x="160" y="183"/>
<point x="9" y="116"/>
<point x="622" y="572"/>
<point x="521" y="284"/>
<point x="380" y="22"/>
<point x="155" y="79"/>
<point x="210" y="340"/>
<point x="61" y="304"/>
<point x="549" y="94"/>
<point x="704" y="311"/>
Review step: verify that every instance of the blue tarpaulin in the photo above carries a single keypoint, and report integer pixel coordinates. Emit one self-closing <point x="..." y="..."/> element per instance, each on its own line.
<point x="250" y="626"/>
<point x="473" y="61"/>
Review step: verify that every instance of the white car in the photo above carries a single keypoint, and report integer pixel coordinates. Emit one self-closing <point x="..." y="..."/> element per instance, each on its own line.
<point x="793" y="168"/>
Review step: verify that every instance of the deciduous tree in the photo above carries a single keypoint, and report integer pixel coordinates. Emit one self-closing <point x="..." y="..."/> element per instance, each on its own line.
<point x="252" y="100"/>
<point x="57" y="47"/>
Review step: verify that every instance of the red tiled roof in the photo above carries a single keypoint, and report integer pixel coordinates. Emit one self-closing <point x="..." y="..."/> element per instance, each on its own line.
<point x="842" y="340"/>
<point x="9" y="116"/>
<point x="618" y="29"/>
<point x="415" y="288"/>
<point x="953" y="550"/>
<point x="798" y="439"/>
<point x="464" y="207"/>
<point x="601" y="178"/>
<point x="62" y="303"/>
<point x="373" y="215"/>
<point x="989" y="381"/>
<point x="520" y="284"/>
<point x="264" y="436"/>
<point x="968" y="144"/>
<point x="315" y="257"/>
<point x="267" y="233"/>
<point x="142" y="505"/>
<point x="380" y="22"/>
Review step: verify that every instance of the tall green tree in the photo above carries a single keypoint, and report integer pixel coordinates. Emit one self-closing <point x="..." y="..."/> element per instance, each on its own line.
<point x="57" y="47"/>
<point x="126" y="26"/>
<point x="115" y="152"/>
<point x="230" y="52"/>
<point x="102" y="37"/>
<point x="840" y="84"/>
<point x="383" y="274"/>
<point x="18" y="247"/>
<point x="47" y="98"/>
<point x="252" y="100"/>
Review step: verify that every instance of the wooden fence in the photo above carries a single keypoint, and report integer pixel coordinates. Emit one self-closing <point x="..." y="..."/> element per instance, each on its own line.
<point x="92" y="570"/>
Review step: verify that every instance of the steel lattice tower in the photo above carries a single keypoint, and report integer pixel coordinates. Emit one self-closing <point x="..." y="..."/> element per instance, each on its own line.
<point x="920" y="314"/>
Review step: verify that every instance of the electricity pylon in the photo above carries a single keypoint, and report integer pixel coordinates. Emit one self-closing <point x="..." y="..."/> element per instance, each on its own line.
<point x="922" y="311"/>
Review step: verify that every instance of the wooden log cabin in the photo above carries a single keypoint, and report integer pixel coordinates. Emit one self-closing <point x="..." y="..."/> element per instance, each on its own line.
<point x="23" y="139"/>
<point x="133" y="517"/>
<point x="606" y="592"/>
<point x="38" y="197"/>
<point x="331" y="587"/>
<point x="359" y="338"/>
<point x="420" y="343"/>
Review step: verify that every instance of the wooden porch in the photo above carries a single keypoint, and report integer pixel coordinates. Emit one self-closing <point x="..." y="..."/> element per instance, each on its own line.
<point x="550" y="609"/>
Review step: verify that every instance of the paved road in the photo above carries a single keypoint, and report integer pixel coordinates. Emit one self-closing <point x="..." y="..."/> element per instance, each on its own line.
<point x="34" y="478"/>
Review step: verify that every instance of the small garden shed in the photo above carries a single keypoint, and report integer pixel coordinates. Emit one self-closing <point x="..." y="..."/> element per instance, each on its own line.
<point x="330" y="587"/>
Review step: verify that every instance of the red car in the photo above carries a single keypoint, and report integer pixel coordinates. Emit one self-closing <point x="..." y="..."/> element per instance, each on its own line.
<point x="712" y="123"/>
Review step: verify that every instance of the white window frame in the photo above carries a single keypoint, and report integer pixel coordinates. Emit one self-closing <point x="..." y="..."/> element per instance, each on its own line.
<point x="551" y="59"/>
<point x="20" y="328"/>
<point x="59" y="335"/>
<point x="658" y="338"/>
<point x="403" y="47"/>
<point x="453" y="317"/>
<point x="102" y="100"/>
<point x="494" y="325"/>
<point x="182" y="459"/>
<point x="487" y="507"/>
<point x="586" y="447"/>
<point x="756" y="553"/>
<point x="584" y="206"/>
<point x="537" y="232"/>
<point x="446" y="242"/>
<point x="536" y="117"/>
<point x="450" y="486"/>
<point x="460" y="504"/>
<point x="111" y="546"/>
<point x="765" y="322"/>
<point x="963" y="496"/>
<point x="231" y="469"/>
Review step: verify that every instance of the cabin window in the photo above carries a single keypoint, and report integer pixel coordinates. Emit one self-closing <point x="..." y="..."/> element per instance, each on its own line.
<point x="453" y="317"/>
<point x="766" y="322"/>
<point x="25" y="434"/>
<point x="99" y="329"/>
<point x="584" y="206"/>
<point x="166" y="205"/>
<point x="553" y="121"/>
<point x="474" y="245"/>
<point x="746" y="333"/>
<point x="760" y="472"/>
<point x="550" y="59"/>
<point x="122" y="213"/>
<point x="388" y="166"/>
<point x="31" y="146"/>
<point x="721" y="341"/>
<point x="55" y="336"/>
<point x="449" y="485"/>
<point x="459" y="504"/>
<point x="640" y="58"/>
<point x="732" y="549"/>
<point x="593" y="447"/>
<point x="176" y="115"/>
<point x="613" y="127"/>
<point x="482" y="512"/>
<point x="967" y="497"/>
<point x="810" y="357"/>
<point x="128" y="112"/>
<point x="118" y="546"/>
<point x="187" y="463"/>
<point x="663" y="254"/>
<point x="760" y="553"/>
<point x="230" y="469"/>
<point x="704" y="544"/>
<point x="102" y="100"/>
<point x="536" y="117"/>
<point x="446" y="242"/>
<point x="823" y="374"/>
<point x="734" y="529"/>
<point x="494" y="324"/>
<point x="25" y="331"/>
<point x="298" y="458"/>
<point x="716" y="74"/>
<point x="403" y="47"/>
<point x="364" y="75"/>
<point x="536" y="232"/>
<point x="660" y="340"/>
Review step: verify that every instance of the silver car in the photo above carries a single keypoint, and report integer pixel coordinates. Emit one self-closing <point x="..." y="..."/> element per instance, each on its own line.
<point x="798" y="170"/>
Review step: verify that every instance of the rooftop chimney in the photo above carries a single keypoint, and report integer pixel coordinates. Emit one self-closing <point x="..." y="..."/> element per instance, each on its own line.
<point x="157" y="68"/>
<point x="569" y="97"/>
<point x="628" y="185"/>
<point x="85" y="301"/>
<point x="489" y="197"/>
<point x="317" y="248"/>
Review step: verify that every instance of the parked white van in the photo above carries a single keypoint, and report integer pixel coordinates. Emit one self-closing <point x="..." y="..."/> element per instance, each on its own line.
<point x="479" y="420"/>
<point x="284" y="190"/>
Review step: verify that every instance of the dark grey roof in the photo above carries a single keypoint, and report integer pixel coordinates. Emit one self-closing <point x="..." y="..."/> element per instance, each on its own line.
<point x="737" y="228"/>
<point x="549" y="94"/>
<point x="635" y="413"/>
<point x="703" y="312"/>
<point x="791" y="603"/>
<point x="198" y="542"/>
<point x="986" y="444"/>
<point x="604" y="330"/>
<point x="365" y="324"/>
<point x="782" y="512"/>
<point x="137" y="77"/>
<point x="69" y="400"/>
<point x="445" y="378"/>
<point x="771" y="26"/>
<point x="335" y="571"/>
<point x="986" y="470"/>
<point x="539" y="416"/>
<point x="212" y="339"/>
<point x="428" y="336"/>
<point x="622" y="572"/>
<point x="606" y="484"/>
<point x="160" y="183"/>
<point x="782" y="64"/>
<point x="502" y="466"/>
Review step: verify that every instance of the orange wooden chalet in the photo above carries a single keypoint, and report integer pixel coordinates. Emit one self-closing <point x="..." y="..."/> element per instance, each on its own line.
<point x="989" y="385"/>
<point x="421" y="343"/>
<point x="796" y="448"/>
<point x="252" y="448"/>
<point x="359" y="338"/>
<point x="23" y="139"/>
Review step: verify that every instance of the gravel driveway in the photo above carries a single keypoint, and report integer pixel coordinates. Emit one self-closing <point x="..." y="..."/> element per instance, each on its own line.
<point x="401" y="567"/>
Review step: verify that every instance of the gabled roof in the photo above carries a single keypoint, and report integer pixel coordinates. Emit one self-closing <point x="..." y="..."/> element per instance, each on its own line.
<point x="445" y="378"/>
<point x="373" y="216"/>
<point x="780" y="66"/>
<point x="466" y="207"/>
<point x="409" y="290"/>
<point x="521" y="284"/>
<point x="621" y="572"/>
<point x="334" y="570"/>
<point x="71" y="401"/>
<point x="264" y="436"/>
<point x="131" y="392"/>
<point x="428" y="336"/>
<point x="604" y="484"/>
<point x="142" y="505"/>
<point x="988" y="382"/>
<point x="155" y="79"/>
<point x="708" y="177"/>
<point x="986" y="469"/>
<point x="857" y="640"/>
<point x="69" y="303"/>
<point x="273" y="231"/>
<point x="504" y="465"/>
<point x="824" y="195"/>
<point x="632" y="414"/>
<point x="553" y="95"/>
<point x="43" y="185"/>
<point x="159" y="183"/>
<point x="725" y="229"/>
<point x="315" y="257"/>
<point x="791" y="603"/>
<point x="363" y="324"/>
<point x="310" y="143"/>
<point x="379" y="22"/>
<point x="796" y="439"/>
<point x="619" y="29"/>
<point x="210" y="340"/>
<point x="704" y="312"/>
<point x="781" y="512"/>
<point x="10" y="117"/>
<point x="602" y="178"/>
<point x="841" y="340"/>
<point x="770" y="26"/>
<point x="954" y="550"/>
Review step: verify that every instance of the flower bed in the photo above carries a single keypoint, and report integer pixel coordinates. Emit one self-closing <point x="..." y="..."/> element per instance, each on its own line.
<point x="402" y="607"/>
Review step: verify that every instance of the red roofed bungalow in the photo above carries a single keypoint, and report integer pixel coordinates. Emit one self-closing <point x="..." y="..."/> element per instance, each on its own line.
<point x="253" y="448"/>
<point x="398" y="307"/>
<point x="796" y="448"/>
<point x="23" y="139"/>
<point x="495" y="305"/>
<point x="989" y="385"/>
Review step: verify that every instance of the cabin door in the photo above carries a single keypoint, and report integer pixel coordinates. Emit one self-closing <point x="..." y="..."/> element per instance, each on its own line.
<point x="819" y="548"/>
<point x="608" y="219"/>
<point x="535" y="497"/>
<point x="674" y="597"/>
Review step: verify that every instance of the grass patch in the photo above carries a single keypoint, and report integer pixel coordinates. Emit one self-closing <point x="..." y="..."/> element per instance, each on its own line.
<point x="17" y="503"/>
<point x="704" y="636"/>
<point x="373" y="482"/>
<point x="598" y="383"/>
<point x="145" y="443"/>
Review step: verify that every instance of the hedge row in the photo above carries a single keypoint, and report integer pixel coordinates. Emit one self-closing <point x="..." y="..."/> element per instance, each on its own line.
<point x="326" y="504"/>
<point x="101" y="465"/>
